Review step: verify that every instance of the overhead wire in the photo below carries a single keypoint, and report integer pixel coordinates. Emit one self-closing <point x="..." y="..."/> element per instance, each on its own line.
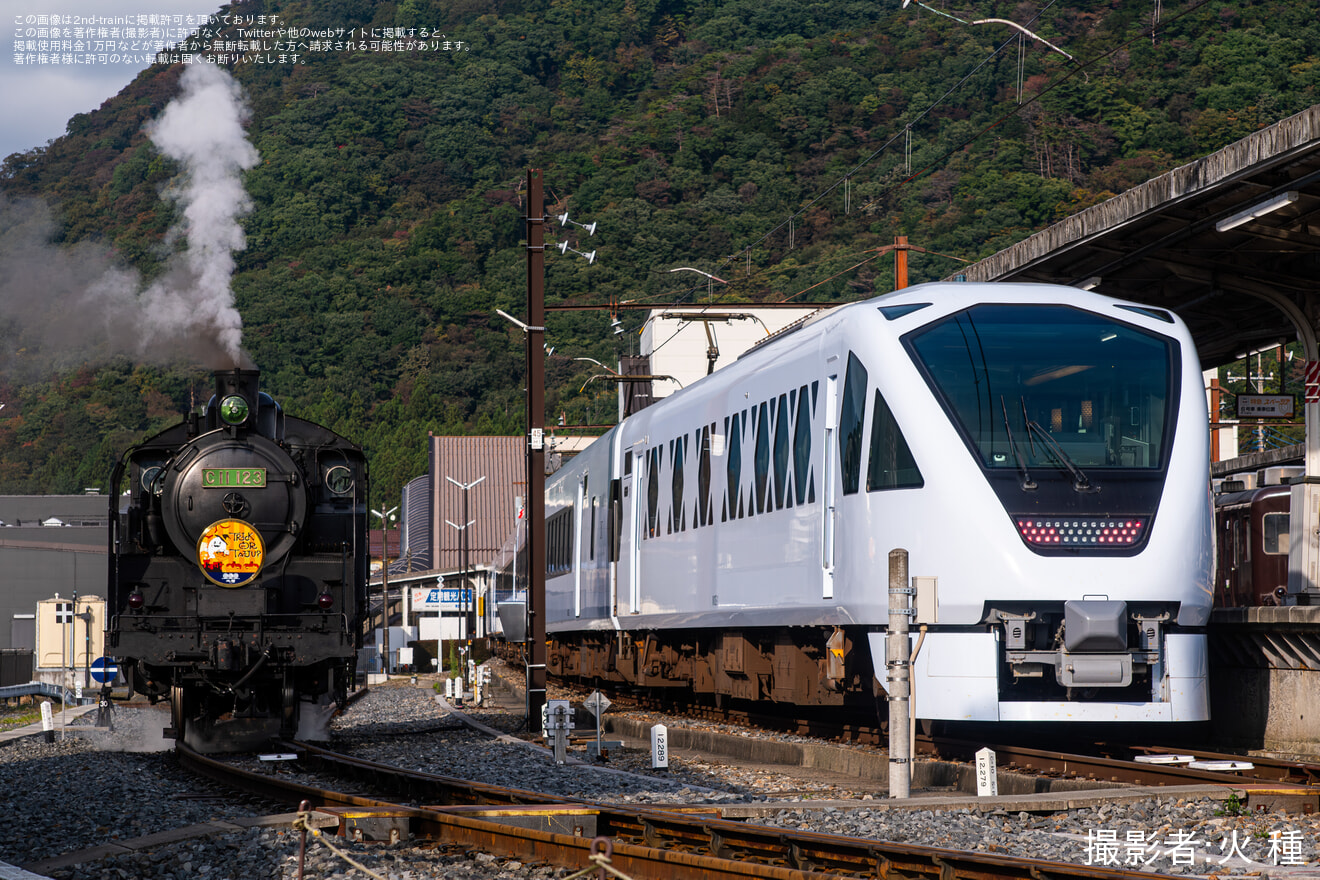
<point x="1079" y="68"/>
<point x="903" y="134"/>
<point x="845" y="179"/>
<point x="1076" y="68"/>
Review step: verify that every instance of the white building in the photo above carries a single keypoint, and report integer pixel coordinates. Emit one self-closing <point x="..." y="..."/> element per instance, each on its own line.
<point x="688" y="342"/>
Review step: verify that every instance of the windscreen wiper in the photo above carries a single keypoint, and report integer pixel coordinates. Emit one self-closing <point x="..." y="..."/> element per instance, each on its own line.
<point x="1081" y="483"/>
<point x="1028" y="484"/>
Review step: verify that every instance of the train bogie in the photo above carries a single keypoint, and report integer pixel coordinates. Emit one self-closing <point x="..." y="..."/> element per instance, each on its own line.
<point x="1039" y="452"/>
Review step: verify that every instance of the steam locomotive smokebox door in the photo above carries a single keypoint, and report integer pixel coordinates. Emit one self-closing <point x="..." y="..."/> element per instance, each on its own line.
<point x="248" y="479"/>
<point x="1091" y="625"/>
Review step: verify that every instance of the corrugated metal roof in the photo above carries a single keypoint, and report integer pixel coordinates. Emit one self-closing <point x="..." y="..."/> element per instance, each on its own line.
<point x="1227" y="166"/>
<point x="503" y="463"/>
<point x="415" y="550"/>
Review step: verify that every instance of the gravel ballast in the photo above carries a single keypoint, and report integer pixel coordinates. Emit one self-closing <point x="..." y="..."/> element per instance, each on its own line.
<point x="86" y="791"/>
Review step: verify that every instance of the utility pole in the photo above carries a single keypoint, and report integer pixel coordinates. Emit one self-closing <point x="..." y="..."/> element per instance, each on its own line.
<point x="900" y="262"/>
<point x="535" y="447"/>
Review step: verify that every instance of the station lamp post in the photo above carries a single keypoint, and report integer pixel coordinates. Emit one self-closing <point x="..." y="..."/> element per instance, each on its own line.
<point x="466" y="549"/>
<point x="385" y="517"/>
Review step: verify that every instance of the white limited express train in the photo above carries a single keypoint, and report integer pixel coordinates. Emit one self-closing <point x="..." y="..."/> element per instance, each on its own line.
<point x="1040" y="452"/>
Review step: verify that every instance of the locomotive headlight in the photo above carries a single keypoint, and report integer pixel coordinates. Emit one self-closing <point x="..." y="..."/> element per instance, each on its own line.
<point x="325" y="600"/>
<point x="136" y="600"/>
<point x="234" y="410"/>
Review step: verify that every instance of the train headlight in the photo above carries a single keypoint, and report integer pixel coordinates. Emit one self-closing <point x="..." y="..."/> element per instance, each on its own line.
<point x="325" y="600"/>
<point x="1097" y="533"/>
<point x="136" y="600"/>
<point x="234" y="410"/>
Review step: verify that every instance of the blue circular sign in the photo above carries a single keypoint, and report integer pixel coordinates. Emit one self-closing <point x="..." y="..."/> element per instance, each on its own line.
<point x="104" y="669"/>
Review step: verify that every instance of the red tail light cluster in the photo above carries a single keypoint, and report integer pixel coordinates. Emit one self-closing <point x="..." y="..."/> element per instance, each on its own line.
<point x="1061" y="532"/>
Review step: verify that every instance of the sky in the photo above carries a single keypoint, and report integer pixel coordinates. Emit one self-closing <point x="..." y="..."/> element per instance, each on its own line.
<point x="37" y="100"/>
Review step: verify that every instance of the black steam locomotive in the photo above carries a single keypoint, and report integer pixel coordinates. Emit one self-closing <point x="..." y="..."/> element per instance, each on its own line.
<point x="238" y="567"/>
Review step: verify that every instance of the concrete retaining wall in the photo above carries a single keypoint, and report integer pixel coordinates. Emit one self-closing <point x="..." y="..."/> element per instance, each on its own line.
<point x="859" y="763"/>
<point x="1265" y="678"/>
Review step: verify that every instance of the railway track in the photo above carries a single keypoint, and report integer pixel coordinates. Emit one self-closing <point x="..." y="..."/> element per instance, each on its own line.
<point x="1120" y="764"/>
<point x="644" y="842"/>
<point x="1298" y="782"/>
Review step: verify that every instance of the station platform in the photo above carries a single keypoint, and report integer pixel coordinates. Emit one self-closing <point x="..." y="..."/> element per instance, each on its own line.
<point x="34" y="729"/>
<point x="1265" y="678"/>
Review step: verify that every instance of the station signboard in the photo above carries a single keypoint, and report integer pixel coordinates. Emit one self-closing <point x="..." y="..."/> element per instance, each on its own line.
<point x="442" y="599"/>
<point x="1265" y="406"/>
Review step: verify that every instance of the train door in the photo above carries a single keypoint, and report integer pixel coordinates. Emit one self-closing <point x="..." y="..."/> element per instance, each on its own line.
<point x="831" y="452"/>
<point x="1270" y="542"/>
<point x="1234" y="560"/>
<point x="1224" y="559"/>
<point x="614" y="525"/>
<point x="634" y="462"/>
<point x="580" y="539"/>
<point x="1242" y="557"/>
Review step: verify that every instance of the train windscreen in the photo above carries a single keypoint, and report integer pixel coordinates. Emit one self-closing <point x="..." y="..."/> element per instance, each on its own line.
<point x="1052" y="386"/>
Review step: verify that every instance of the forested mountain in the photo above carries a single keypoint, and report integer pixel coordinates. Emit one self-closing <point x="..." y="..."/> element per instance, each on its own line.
<point x="773" y="142"/>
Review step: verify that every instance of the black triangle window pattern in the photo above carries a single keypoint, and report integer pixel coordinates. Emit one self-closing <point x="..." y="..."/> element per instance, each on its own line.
<point x="705" y="513"/>
<point x="744" y="503"/>
<point x="733" y="470"/>
<point x="802" y="447"/>
<point x="783" y="475"/>
<point x="726" y="495"/>
<point x="781" y="452"/>
<point x="811" y="485"/>
<point x="793" y="478"/>
<point x="653" y="492"/>
<point x="678" y="511"/>
<point x="852" y="413"/>
<point x="761" y="427"/>
<point x="891" y="465"/>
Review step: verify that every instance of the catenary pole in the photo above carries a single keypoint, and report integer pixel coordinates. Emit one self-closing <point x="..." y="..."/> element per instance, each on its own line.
<point x="535" y="448"/>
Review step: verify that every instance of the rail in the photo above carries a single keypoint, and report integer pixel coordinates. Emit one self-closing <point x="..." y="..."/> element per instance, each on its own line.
<point x="690" y="842"/>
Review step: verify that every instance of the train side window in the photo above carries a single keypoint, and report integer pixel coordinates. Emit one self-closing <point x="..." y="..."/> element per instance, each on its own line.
<point x="615" y="521"/>
<point x="781" y="453"/>
<point x="852" y="412"/>
<point x="678" y="508"/>
<point x="1275" y="532"/>
<point x="653" y="493"/>
<point x="733" y="469"/>
<point x="891" y="464"/>
<point x="802" y="447"/>
<point x="705" y="512"/>
<point x="761" y="425"/>
<point x="559" y="542"/>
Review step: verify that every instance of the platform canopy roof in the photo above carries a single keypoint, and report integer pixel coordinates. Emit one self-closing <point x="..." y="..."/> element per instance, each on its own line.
<point x="1230" y="242"/>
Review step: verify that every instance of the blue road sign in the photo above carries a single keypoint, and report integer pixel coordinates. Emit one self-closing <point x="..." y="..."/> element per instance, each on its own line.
<point x="104" y="669"/>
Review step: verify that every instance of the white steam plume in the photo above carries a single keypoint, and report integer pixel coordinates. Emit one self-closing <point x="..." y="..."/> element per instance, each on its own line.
<point x="64" y="306"/>
<point x="203" y="130"/>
